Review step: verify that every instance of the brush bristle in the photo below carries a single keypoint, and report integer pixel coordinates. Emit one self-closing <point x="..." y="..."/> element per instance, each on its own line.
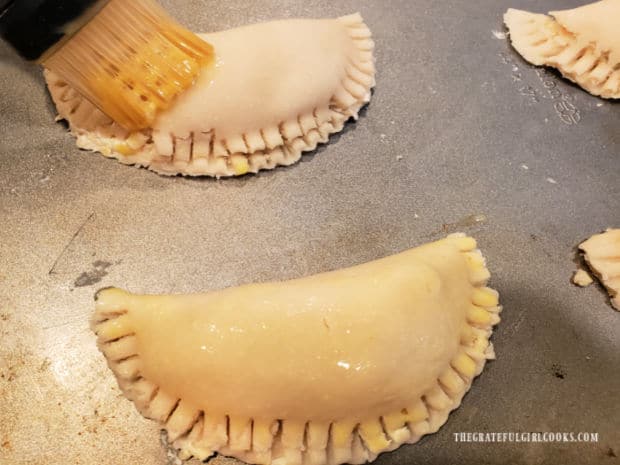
<point x="131" y="60"/>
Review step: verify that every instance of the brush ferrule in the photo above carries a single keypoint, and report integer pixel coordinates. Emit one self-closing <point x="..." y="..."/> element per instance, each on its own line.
<point x="36" y="28"/>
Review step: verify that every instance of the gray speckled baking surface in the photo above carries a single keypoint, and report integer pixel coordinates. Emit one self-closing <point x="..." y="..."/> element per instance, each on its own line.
<point x="480" y="133"/>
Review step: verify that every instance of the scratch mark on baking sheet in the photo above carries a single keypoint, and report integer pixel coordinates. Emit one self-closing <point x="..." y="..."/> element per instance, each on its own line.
<point x="75" y="235"/>
<point x="517" y="324"/>
<point x="466" y="222"/>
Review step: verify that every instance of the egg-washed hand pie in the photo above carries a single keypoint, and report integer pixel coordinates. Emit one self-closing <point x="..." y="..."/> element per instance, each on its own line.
<point x="276" y="90"/>
<point x="582" y="43"/>
<point x="602" y="254"/>
<point x="328" y="369"/>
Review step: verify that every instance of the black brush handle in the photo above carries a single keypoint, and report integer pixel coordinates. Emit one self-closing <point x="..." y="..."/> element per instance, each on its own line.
<point x="34" y="26"/>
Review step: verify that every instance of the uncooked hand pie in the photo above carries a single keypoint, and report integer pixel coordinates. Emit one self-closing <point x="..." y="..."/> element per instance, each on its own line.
<point x="582" y="43"/>
<point x="602" y="253"/>
<point x="277" y="89"/>
<point x="328" y="369"/>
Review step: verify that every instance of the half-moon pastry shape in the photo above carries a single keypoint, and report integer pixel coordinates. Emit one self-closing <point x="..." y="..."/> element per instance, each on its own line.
<point x="277" y="89"/>
<point x="602" y="254"/>
<point x="582" y="43"/>
<point x="328" y="369"/>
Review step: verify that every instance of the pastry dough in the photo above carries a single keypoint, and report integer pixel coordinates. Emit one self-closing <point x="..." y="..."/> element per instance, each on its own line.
<point x="602" y="254"/>
<point x="582" y="43"/>
<point x="328" y="369"/>
<point x="581" y="278"/>
<point x="277" y="89"/>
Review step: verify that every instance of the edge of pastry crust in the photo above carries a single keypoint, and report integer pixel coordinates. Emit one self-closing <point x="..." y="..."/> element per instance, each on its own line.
<point x="602" y="254"/>
<point x="266" y="148"/>
<point x="197" y="434"/>
<point x="541" y="40"/>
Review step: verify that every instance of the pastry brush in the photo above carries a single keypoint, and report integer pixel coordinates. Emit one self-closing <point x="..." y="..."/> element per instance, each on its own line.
<point x="128" y="57"/>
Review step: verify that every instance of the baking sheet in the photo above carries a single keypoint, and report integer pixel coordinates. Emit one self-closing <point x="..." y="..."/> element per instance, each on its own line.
<point x="459" y="125"/>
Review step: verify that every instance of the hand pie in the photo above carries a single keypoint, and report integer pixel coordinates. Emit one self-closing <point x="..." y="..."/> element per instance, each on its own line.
<point x="277" y="89"/>
<point x="602" y="253"/>
<point x="582" y="43"/>
<point x="328" y="369"/>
